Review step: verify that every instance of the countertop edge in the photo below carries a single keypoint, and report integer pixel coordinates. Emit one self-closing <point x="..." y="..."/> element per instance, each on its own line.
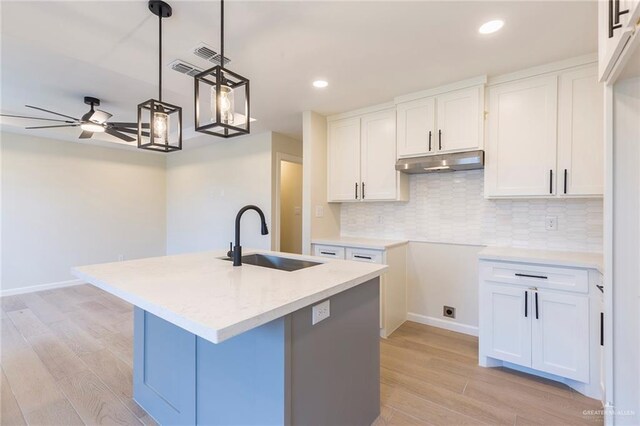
<point x="224" y="333"/>
<point x="575" y="263"/>
<point x="362" y="244"/>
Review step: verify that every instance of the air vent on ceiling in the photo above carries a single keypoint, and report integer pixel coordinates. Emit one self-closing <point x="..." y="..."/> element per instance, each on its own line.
<point x="205" y="51"/>
<point x="184" y="67"/>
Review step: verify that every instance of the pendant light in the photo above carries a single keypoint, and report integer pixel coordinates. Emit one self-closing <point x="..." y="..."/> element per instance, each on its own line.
<point x="159" y="123"/>
<point x="221" y="97"/>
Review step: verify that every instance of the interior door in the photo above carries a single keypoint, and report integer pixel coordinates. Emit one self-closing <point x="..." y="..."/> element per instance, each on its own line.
<point x="378" y="156"/>
<point x="560" y="334"/>
<point x="507" y="323"/>
<point x="580" y="133"/>
<point x="459" y="119"/>
<point x="416" y="133"/>
<point x="521" y="145"/>
<point x="343" y="152"/>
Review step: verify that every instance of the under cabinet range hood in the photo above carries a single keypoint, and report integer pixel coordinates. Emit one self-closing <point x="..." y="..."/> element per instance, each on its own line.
<point x="468" y="160"/>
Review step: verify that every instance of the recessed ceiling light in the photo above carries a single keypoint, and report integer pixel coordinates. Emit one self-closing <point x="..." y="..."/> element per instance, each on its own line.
<point x="320" y="84"/>
<point x="491" y="26"/>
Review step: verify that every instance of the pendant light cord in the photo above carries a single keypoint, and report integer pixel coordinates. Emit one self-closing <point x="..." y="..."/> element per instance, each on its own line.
<point x="222" y="33"/>
<point x="160" y="57"/>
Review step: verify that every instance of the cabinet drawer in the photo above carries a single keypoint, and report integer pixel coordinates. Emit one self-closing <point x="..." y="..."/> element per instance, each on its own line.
<point x="332" y="252"/>
<point x="525" y="274"/>
<point x="364" y="255"/>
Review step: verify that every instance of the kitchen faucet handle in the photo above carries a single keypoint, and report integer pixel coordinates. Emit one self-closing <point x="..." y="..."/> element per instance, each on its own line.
<point x="230" y="252"/>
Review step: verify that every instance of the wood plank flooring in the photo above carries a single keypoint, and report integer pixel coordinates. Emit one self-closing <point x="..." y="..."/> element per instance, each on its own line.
<point x="67" y="357"/>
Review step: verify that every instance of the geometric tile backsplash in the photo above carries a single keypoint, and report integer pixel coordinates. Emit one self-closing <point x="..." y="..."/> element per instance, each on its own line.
<point x="451" y="208"/>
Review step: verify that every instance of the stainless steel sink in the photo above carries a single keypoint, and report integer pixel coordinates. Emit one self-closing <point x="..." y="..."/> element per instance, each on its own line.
<point x="275" y="262"/>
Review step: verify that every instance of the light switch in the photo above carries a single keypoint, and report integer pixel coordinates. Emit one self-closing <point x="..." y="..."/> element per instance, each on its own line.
<point x="297" y="211"/>
<point x="319" y="211"/>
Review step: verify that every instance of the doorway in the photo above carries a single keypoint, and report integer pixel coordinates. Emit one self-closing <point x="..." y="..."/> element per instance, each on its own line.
<point x="289" y="205"/>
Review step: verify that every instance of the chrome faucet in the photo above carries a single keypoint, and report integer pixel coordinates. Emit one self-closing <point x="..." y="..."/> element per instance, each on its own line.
<point x="235" y="252"/>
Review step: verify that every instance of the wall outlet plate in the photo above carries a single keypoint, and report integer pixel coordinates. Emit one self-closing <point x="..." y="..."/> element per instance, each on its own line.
<point x="551" y="223"/>
<point x="320" y="312"/>
<point x="448" y="311"/>
<point x="319" y="211"/>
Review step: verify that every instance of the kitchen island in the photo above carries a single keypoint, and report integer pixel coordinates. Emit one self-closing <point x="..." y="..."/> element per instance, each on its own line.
<point x="218" y="344"/>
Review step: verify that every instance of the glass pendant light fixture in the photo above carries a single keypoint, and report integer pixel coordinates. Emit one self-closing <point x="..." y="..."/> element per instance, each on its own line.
<point x="159" y="123"/>
<point x="221" y="97"/>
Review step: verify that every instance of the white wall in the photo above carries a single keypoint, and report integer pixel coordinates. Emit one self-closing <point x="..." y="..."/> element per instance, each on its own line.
<point x="207" y="186"/>
<point x="66" y="204"/>
<point x="626" y="252"/>
<point x="314" y="195"/>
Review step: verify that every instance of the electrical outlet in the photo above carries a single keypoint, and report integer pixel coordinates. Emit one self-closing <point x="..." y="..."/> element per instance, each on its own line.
<point x="380" y="220"/>
<point x="551" y="223"/>
<point x="320" y="312"/>
<point x="448" y="311"/>
<point x="319" y="211"/>
<point x="121" y="258"/>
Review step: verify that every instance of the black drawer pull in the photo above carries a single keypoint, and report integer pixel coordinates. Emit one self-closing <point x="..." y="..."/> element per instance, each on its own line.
<point x="328" y="252"/>
<point x="526" y="303"/>
<point x="542" y="277"/>
<point x="362" y="257"/>
<point x="536" y="304"/>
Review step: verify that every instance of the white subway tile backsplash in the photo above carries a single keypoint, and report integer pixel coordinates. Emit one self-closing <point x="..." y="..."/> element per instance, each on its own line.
<point x="451" y="208"/>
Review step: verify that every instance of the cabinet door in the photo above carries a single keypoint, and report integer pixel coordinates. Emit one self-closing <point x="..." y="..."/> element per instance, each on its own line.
<point x="580" y="133"/>
<point x="459" y="120"/>
<point x="506" y="323"/>
<point x="343" y="160"/>
<point x="612" y="43"/>
<point x="378" y="156"/>
<point x="560" y="335"/>
<point x="416" y="135"/>
<point x="521" y="145"/>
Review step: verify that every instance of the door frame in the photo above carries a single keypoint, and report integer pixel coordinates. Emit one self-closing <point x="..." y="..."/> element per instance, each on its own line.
<point x="280" y="157"/>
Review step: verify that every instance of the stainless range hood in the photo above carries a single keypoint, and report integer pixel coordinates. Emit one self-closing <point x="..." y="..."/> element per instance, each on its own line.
<point x="442" y="163"/>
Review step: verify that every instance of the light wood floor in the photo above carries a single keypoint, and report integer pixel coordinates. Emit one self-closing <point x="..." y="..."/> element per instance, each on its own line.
<point x="67" y="357"/>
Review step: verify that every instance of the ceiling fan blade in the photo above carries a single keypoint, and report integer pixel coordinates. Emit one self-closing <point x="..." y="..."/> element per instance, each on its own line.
<point x="51" y="112"/>
<point x="35" y="118"/>
<point x="131" y="125"/>
<point x="51" y="127"/>
<point x="100" y="117"/>
<point x="85" y="135"/>
<point x="131" y="131"/>
<point x="119" y="135"/>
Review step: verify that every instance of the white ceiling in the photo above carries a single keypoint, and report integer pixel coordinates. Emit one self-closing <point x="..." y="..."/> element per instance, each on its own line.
<point x="54" y="53"/>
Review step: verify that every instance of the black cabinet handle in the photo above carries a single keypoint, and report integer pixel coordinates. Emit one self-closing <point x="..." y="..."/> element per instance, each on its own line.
<point x="328" y="252"/>
<point x="356" y="190"/>
<point x="429" y="140"/>
<point x="600" y="287"/>
<point x="363" y="190"/>
<point x="550" y="181"/>
<point x="614" y="16"/>
<point x="362" y="257"/>
<point x="542" y="277"/>
<point x="565" y="181"/>
<point x="536" y="295"/>
<point x="439" y="140"/>
<point x="526" y="303"/>
<point x="601" y="328"/>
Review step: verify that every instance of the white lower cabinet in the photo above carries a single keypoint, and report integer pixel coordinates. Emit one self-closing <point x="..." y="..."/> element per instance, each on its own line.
<point x="393" y="283"/>
<point x="530" y="317"/>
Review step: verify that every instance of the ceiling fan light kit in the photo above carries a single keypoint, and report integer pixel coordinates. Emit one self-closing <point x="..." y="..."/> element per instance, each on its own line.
<point x="221" y="97"/>
<point x="159" y="123"/>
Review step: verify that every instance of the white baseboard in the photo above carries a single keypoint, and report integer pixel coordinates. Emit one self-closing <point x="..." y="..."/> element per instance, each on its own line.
<point x="442" y="323"/>
<point x="40" y="287"/>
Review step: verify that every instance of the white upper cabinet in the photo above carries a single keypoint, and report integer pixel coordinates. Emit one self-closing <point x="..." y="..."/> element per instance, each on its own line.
<point x="459" y="120"/>
<point x="545" y="136"/>
<point x="378" y="156"/>
<point x="361" y="158"/>
<point x="580" y="133"/>
<point x="616" y="26"/>
<point x="521" y="143"/>
<point x="343" y="158"/>
<point x="416" y="127"/>
<point x="448" y="122"/>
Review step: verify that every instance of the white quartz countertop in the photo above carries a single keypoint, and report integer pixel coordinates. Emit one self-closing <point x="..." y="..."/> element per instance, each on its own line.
<point x="213" y="299"/>
<point x="368" y="243"/>
<point x="547" y="257"/>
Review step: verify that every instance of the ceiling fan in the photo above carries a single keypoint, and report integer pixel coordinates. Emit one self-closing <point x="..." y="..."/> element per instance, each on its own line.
<point x="94" y="121"/>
